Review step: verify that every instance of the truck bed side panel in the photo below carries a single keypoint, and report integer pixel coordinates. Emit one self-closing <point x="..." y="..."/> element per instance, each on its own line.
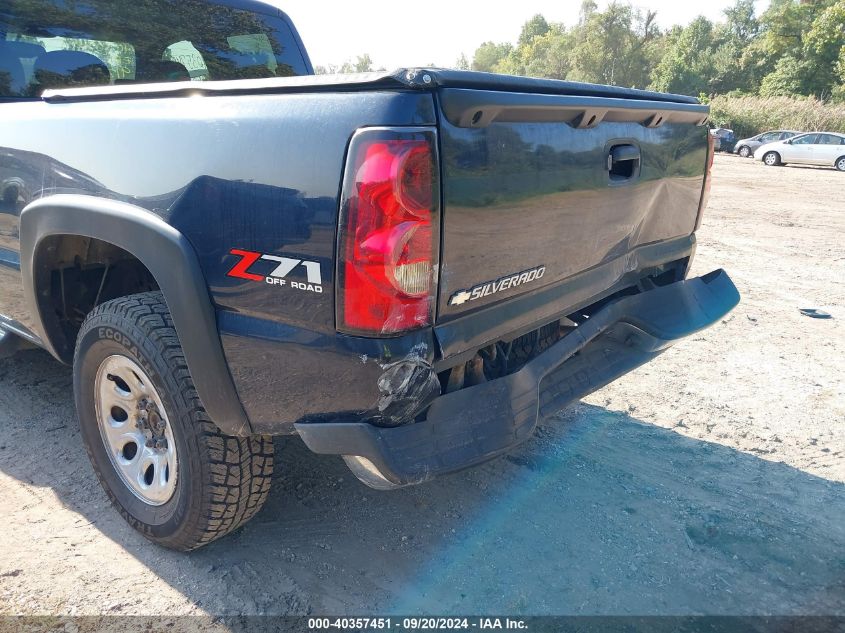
<point x="254" y="172"/>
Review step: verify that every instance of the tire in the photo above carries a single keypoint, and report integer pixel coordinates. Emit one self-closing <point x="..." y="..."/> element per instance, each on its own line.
<point x="771" y="159"/>
<point x="128" y="353"/>
<point x="9" y="343"/>
<point x="745" y="151"/>
<point x="840" y="163"/>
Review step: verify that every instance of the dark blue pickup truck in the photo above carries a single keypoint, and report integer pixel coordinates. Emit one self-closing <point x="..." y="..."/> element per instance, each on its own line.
<point x="406" y="269"/>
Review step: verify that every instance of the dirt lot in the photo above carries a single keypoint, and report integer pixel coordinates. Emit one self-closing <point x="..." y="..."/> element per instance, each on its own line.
<point x="710" y="481"/>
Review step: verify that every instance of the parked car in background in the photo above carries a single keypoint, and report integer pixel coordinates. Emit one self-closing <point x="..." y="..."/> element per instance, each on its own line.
<point x="723" y="139"/>
<point x="816" y="148"/>
<point x="747" y="146"/>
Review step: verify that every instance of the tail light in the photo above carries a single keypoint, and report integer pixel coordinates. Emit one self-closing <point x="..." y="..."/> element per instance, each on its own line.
<point x="388" y="242"/>
<point x="705" y="194"/>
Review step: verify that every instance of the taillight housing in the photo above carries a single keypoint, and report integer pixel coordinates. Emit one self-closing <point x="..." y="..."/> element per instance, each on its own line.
<point x="389" y="232"/>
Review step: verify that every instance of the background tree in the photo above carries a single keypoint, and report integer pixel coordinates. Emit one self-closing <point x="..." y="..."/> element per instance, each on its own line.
<point x="535" y="27"/>
<point x="737" y="63"/>
<point x="489" y="55"/>
<point x="362" y="64"/>
<point x="613" y="46"/>
<point x="801" y="42"/>
<point x="824" y="46"/>
<point x="687" y="66"/>
<point x="797" y="47"/>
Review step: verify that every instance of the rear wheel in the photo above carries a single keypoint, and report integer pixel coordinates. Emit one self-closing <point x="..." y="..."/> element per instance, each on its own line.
<point x="772" y="159"/>
<point x="840" y="163"/>
<point x="169" y="471"/>
<point x="745" y="151"/>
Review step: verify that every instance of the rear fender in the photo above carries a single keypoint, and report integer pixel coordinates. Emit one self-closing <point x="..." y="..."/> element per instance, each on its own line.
<point x="171" y="260"/>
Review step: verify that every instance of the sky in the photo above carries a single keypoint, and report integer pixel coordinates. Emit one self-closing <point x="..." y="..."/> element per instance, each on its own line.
<point x="397" y="33"/>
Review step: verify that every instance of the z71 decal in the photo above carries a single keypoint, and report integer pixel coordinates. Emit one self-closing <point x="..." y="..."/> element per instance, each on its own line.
<point x="284" y="266"/>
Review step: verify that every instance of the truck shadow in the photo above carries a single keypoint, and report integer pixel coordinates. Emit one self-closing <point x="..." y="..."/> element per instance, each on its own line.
<point x="598" y="513"/>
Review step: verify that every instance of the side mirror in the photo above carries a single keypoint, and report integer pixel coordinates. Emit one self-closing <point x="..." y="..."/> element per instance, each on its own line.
<point x="788" y="141"/>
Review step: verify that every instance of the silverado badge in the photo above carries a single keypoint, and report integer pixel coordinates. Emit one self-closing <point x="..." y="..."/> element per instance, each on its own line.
<point x="492" y="287"/>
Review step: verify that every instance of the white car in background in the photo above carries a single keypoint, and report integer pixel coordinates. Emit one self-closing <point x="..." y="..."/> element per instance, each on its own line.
<point x="815" y="148"/>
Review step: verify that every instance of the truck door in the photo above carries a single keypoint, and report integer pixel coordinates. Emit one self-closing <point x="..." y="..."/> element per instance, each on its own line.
<point x="800" y="150"/>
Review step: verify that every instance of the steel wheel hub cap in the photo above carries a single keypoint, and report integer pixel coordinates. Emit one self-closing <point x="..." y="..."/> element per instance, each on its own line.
<point x="135" y="430"/>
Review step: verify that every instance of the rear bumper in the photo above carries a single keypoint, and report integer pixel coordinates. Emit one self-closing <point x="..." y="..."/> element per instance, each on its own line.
<point x="475" y="424"/>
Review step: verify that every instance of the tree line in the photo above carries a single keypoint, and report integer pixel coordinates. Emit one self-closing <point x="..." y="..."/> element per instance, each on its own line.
<point x="796" y="47"/>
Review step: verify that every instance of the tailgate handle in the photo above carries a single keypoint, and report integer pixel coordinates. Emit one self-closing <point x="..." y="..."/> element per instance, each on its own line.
<point x="623" y="162"/>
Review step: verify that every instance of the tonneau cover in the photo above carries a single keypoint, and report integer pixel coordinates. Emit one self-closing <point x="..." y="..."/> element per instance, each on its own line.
<point x="403" y="78"/>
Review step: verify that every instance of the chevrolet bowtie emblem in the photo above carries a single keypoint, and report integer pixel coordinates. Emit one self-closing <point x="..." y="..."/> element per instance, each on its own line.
<point x="460" y="298"/>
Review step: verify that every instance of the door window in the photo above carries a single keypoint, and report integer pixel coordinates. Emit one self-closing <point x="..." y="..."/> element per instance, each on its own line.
<point x="807" y="139"/>
<point x="58" y="44"/>
<point x="48" y="71"/>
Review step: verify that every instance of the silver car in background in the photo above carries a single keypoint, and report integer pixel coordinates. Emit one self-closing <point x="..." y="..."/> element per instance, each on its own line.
<point x="815" y="148"/>
<point x="747" y="146"/>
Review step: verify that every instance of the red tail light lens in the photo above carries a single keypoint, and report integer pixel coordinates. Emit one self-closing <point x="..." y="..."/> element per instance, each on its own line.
<point x="389" y="233"/>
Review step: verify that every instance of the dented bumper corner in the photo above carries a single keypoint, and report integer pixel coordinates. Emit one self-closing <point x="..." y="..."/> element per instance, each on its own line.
<point x="475" y="424"/>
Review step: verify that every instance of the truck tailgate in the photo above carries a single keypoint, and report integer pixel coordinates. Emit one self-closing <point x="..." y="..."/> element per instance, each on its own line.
<point x="540" y="187"/>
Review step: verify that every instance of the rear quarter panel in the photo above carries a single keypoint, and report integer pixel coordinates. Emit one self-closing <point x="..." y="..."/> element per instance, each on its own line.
<point x="254" y="172"/>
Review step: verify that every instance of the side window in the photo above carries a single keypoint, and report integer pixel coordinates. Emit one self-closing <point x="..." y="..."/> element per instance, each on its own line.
<point x="205" y="40"/>
<point x="49" y="44"/>
<point x="228" y="43"/>
<point x="786" y="135"/>
<point x="77" y="62"/>
<point x="807" y="139"/>
<point x="185" y="54"/>
<point x="63" y="43"/>
<point x="16" y="62"/>
<point x="768" y="138"/>
<point x="829" y="139"/>
<point x="253" y="54"/>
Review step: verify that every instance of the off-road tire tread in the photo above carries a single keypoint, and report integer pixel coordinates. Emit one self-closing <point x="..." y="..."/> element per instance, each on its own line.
<point x="237" y="471"/>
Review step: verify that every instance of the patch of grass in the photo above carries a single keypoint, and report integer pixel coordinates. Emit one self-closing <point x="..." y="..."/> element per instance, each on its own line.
<point x="749" y="115"/>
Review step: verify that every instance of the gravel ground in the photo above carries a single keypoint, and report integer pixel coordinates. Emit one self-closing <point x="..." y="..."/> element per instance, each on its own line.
<point x="711" y="481"/>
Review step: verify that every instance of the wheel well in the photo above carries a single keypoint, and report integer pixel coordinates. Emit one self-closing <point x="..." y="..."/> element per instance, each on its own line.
<point x="75" y="274"/>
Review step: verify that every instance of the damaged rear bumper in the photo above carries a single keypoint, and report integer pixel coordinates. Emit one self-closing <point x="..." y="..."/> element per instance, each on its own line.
<point x="477" y="423"/>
